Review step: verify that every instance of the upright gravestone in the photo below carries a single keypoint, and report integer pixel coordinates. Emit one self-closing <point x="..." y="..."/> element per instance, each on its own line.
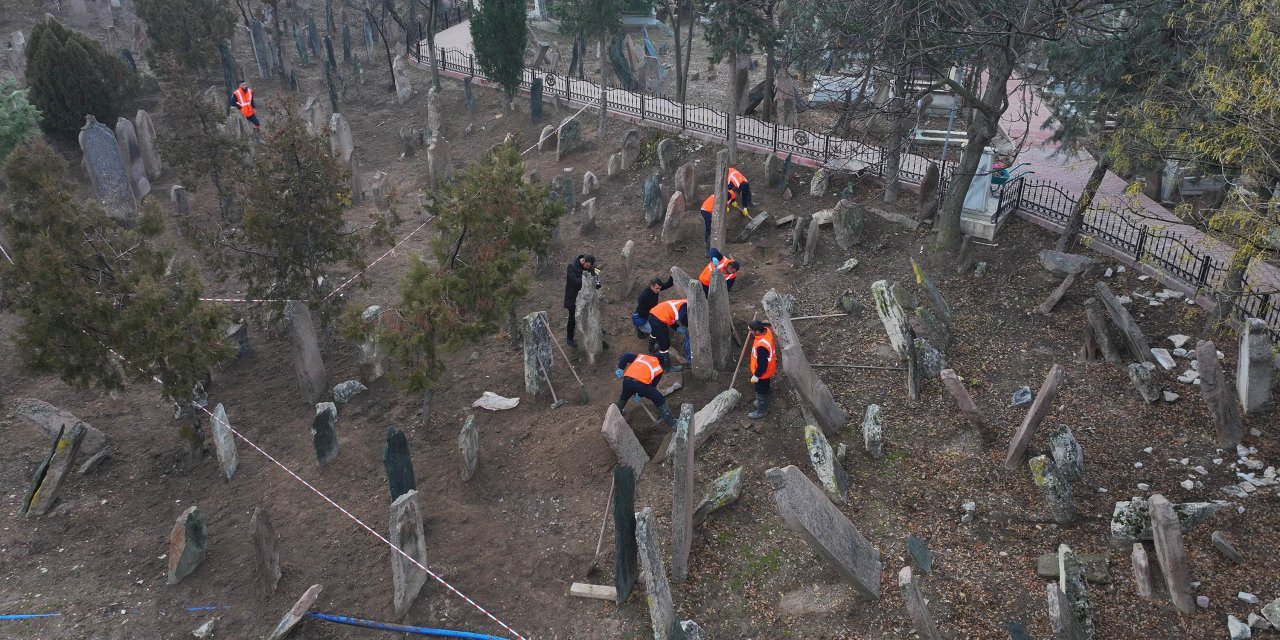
<point x="1256" y="367"/>
<point x="307" y="364"/>
<point x="409" y="550"/>
<point x="630" y="148"/>
<point x="811" y="240"/>
<point x="927" y="203"/>
<point x="1056" y="489"/>
<point x="682" y="504"/>
<point x="808" y="513"/>
<point x="346" y="43"/>
<point x="628" y="267"/>
<point x="588" y="215"/>
<point x="343" y="148"/>
<point x="652" y="201"/>
<point x="435" y="113"/>
<point x="873" y="431"/>
<point x="1071" y="582"/>
<point x="324" y="432"/>
<point x="722" y="351"/>
<point x="373" y="353"/>
<point x="1067" y="453"/>
<point x="772" y="170"/>
<point x="107" y="170"/>
<point x="570" y="137"/>
<point x="829" y="471"/>
<point x="563" y="189"/>
<point x="224" y="442"/>
<point x="469" y="444"/>
<point x="1219" y="394"/>
<point x="699" y="335"/>
<point x="400" y="76"/>
<point x="261" y="51"/>
<point x="328" y="52"/>
<point x="439" y="160"/>
<point x="666" y="154"/>
<point x="662" y="612"/>
<point x="147" y="143"/>
<point x="623" y="440"/>
<point x="17" y="53"/>
<point x="674" y="219"/>
<point x="535" y="100"/>
<point x="178" y="196"/>
<point x="589" y="327"/>
<point x="718" y="221"/>
<point x="468" y="94"/>
<point x="1171" y="554"/>
<point x="625" y="558"/>
<point x="228" y="69"/>
<point x="188" y="542"/>
<point x="265" y="550"/>
<point x="369" y="51"/>
<point x="334" y="102"/>
<point x="686" y="181"/>
<point x="538" y="358"/>
<point x="47" y="481"/>
<point x="313" y="37"/>
<point x="816" y="400"/>
<point x="300" y="43"/>
<point x="398" y="464"/>
<point x="848" y="222"/>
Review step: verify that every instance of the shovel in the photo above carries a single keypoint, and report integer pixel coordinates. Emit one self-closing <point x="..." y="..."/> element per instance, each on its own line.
<point x="595" y="559"/>
<point x="582" y="388"/>
<point x="556" y="403"/>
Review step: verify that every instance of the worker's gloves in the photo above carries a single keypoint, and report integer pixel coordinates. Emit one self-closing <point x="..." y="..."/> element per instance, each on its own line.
<point x="617" y="373"/>
<point x="755" y="379"/>
<point x="681" y="330"/>
<point x="636" y="398"/>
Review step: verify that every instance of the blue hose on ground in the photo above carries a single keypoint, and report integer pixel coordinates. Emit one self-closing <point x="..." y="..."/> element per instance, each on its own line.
<point x="401" y="628"/>
<point x="27" y="616"/>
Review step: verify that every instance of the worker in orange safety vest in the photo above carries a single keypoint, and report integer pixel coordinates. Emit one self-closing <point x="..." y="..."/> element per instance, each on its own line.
<point x="764" y="364"/>
<point x="640" y="374"/>
<point x="739" y="190"/>
<point x="722" y="263"/>
<point x="242" y="100"/>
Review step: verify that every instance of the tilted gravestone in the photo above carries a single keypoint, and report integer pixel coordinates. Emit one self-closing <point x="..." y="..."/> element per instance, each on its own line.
<point x="307" y="363"/>
<point x="1139" y="350"/>
<point x="1171" y="554"/>
<point x="265" y="550"/>
<point x="589" y="326"/>
<point x="408" y="539"/>
<point x="147" y="142"/>
<point x="722" y="492"/>
<point x="808" y="513"/>
<point x="722" y="351"/>
<point x="1057" y="491"/>
<point x="829" y="471"/>
<point x="1044" y="400"/>
<point x="398" y="464"/>
<point x="652" y="200"/>
<point x="623" y="440"/>
<point x="47" y="481"/>
<point x="1219" y="394"/>
<point x="662" y="613"/>
<point x="324" y="432"/>
<point x="188" y="543"/>
<point x="917" y="607"/>
<point x="224" y="442"/>
<point x="131" y="153"/>
<point x="107" y="170"/>
<point x="892" y="316"/>
<point x="630" y="148"/>
<point x="816" y="400"/>
<point x="296" y="613"/>
<point x="626" y="551"/>
<point x="1256" y="367"/>
<point x="682" y="504"/>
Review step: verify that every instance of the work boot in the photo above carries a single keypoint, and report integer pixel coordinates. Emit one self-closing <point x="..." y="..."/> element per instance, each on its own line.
<point x="572" y="343"/>
<point x="621" y="405"/>
<point x="664" y="412"/>
<point x="761" y="407"/>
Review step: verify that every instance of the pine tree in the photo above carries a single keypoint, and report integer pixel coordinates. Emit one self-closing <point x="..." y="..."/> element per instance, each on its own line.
<point x="490" y="221"/>
<point x="294" y="197"/>
<point x="19" y="120"/>
<point x="187" y="30"/>
<point x="499" y="35"/>
<point x="194" y="148"/>
<point x="71" y="76"/>
<point x="81" y="284"/>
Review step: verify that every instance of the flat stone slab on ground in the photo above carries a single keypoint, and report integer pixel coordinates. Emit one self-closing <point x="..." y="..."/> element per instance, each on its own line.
<point x="50" y="420"/>
<point x="722" y="492"/>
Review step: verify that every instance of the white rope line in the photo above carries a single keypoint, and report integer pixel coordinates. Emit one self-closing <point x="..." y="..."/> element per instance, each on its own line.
<point x="389" y="252"/>
<point x="584" y="108"/>
<point x="334" y="504"/>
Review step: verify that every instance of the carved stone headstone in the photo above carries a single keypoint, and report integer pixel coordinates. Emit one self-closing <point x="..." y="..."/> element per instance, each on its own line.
<point x="682" y="505"/>
<point x="569" y="139"/>
<point x="588" y="223"/>
<point x="829" y="471"/>
<point x="892" y="316"/>
<point x="1067" y="453"/>
<point x="808" y="513"/>
<point x="187" y="544"/>
<point x="1219" y="394"/>
<point x="107" y="170"/>
<point x="666" y="154"/>
<point x="821" y="181"/>
<point x="811" y="240"/>
<point x="400" y="76"/>
<point x="343" y="147"/>
<point x="146" y="132"/>
<point x="1256" y="367"/>
<point x="628" y="268"/>
<point x="1139" y="350"/>
<point x="652" y="200"/>
<point x="261" y="52"/>
<point x="589" y="183"/>
<point x="265" y="550"/>
<point x="816" y="400"/>
<point x="1056" y="489"/>
<point x="224" y="442"/>
<point x="662" y="613"/>
<point x="408" y="537"/>
<point x="590" y="330"/>
<point x="1143" y="381"/>
<point x="307" y="363"/>
<point x="372" y="352"/>
<point x="722" y="351"/>
<point x="1171" y="554"/>
<point x="699" y="332"/>
<point x="324" y="432"/>
<point x="848" y="222"/>
<point x="623" y="440"/>
<point x="630" y="148"/>
<point x="47" y="481"/>
<point x="440" y="161"/>
<point x="626" y="551"/>
<point x="1142" y="571"/>
<point x="398" y="464"/>
<point x="469" y="445"/>
<point x="686" y="179"/>
<point x="538" y="357"/>
<point x="927" y="203"/>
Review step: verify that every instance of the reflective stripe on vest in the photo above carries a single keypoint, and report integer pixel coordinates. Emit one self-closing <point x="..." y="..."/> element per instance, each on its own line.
<point x="644" y="369"/>
<point x="765" y="340"/>
<point x="244" y="100"/>
<point x="668" y="312"/>
<point x="705" y="277"/>
<point x="736" y="178"/>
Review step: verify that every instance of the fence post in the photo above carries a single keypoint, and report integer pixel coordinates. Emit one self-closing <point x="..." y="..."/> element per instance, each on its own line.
<point x="1022" y="183"/>
<point x="642" y="107"/>
<point x="473" y="64"/>
<point x="775" y="136"/>
<point x="1142" y="243"/>
<point x="1203" y="278"/>
<point x="826" y="149"/>
<point x="682" y="120"/>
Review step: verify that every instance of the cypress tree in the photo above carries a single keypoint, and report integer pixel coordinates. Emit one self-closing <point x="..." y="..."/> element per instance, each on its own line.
<point x="71" y="76"/>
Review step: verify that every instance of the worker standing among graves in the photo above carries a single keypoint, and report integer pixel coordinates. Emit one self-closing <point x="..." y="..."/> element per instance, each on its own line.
<point x="645" y="303"/>
<point x="665" y="316"/>
<point x="708" y="206"/>
<point x="640" y="375"/>
<point x="719" y="262"/>
<point x="242" y="100"/>
<point x="764" y="364"/>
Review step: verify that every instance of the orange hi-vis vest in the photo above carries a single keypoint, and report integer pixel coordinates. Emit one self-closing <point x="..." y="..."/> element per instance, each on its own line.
<point x="718" y="265"/>
<point x="709" y="204"/>
<point x="765" y="340"/>
<point x="736" y="179"/>
<point x="645" y="369"/>
<point x="244" y="100"/>
<point x="668" y="312"/>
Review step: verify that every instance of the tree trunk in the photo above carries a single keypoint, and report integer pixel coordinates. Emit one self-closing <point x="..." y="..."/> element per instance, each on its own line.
<point x="767" y="114"/>
<point x="980" y="131"/>
<point x="431" y="44"/>
<point x="676" y="16"/>
<point x="731" y="115"/>
<point x="604" y="86"/>
<point x="1076" y="220"/>
<point x="897" y="136"/>
<point x="688" y="48"/>
<point x="1229" y="294"/>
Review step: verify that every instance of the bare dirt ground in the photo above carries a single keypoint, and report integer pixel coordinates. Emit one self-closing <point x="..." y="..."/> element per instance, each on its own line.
<point x="524" y="527"/>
